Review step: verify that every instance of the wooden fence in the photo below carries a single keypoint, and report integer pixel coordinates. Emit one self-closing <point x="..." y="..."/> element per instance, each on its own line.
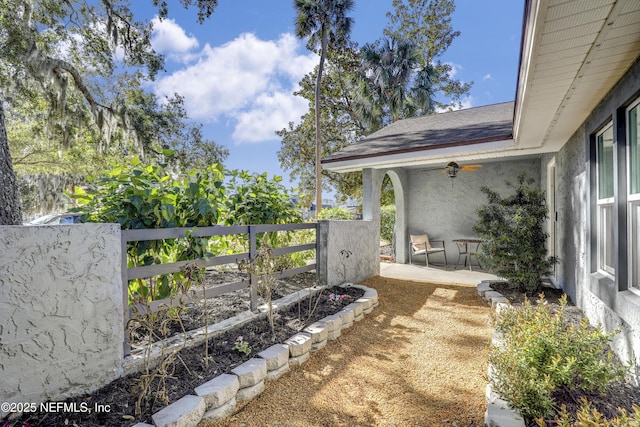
<point x="132" y="273"/>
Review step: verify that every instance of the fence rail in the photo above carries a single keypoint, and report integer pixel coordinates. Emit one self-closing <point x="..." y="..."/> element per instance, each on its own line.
<point x="133" y="273"/>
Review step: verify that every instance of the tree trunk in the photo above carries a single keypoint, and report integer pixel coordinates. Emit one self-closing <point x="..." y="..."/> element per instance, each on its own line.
<point x="323" y="49"/>
<point x="10" y="213"/>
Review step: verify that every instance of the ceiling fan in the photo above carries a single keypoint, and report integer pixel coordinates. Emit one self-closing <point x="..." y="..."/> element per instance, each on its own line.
<point x="452" y="169"/>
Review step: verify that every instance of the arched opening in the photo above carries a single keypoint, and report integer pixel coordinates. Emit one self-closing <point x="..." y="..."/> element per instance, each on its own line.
<point x="392" y="216"/>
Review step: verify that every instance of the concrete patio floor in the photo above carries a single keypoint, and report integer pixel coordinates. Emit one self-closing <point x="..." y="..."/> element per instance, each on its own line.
<point x="433" y="274"/>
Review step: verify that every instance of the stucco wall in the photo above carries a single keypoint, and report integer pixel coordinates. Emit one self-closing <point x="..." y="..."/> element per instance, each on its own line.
<point x="361" y="239"/>
<point x="446" y="208"/>
<point x="60" y="310"/>
<point x="605" y="301"/>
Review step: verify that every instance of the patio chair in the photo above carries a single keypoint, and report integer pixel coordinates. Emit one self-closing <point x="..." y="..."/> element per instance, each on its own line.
<point x="421" y="245"/>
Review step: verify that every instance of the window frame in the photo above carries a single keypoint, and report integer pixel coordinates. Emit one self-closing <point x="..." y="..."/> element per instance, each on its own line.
<point x="633" y="200"/>
<point x="605" y="215"/>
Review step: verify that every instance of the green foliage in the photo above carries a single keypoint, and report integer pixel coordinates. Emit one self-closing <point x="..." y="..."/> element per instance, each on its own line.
<point x="392" y="84"/>
<point x="427" y="24"/>
<point x="587" y="415"/>
<point x="514" y="239"/>
<point x="335" y="213"/>
<point x="140" y="196"/>
<point x="256" y="199"/>
<point x="339" y="123"/>
<point x="387" y="222"/>
<point x="387" y="194"/>
<point x="242" y="346"/>
<point x="80" y="97"/>
<point x="541" y="352"/>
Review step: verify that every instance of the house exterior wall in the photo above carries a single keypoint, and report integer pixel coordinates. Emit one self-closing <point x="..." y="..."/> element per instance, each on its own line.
<point x="605" y="300"/>
<point x="446" y="208"/>
<point x="61" y="310"/>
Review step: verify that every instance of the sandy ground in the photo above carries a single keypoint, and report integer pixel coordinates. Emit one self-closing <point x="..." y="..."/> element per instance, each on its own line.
<point x="419" y="359"/>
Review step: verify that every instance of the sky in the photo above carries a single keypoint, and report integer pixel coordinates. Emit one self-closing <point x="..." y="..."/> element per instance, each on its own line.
<point x="238" y="70"/>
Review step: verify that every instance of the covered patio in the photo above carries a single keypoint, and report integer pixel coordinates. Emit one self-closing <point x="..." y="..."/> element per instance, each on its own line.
<point x="431" y="196"/>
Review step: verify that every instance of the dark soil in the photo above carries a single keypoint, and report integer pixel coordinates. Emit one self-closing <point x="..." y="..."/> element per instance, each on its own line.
<point x="192" y="368"/>
<point x="618" y="395"/>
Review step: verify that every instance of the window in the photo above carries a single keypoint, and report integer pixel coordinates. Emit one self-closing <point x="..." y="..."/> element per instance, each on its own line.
<point x="633" y="196"/>
<point x="606" y="219"/>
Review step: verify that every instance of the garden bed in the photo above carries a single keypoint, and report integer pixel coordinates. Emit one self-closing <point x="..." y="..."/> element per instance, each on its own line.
<point x="198" y="364"/>
<point x="619" y="394"/>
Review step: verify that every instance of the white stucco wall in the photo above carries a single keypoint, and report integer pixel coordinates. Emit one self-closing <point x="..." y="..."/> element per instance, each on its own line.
<point x="605" y="300"/>
<point x="361" y="239"/>
<point x="61" y="310"/>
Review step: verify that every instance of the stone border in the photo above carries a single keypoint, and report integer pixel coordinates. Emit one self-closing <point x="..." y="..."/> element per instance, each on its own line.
<point x="217" y="399"/>
<point x="499" y="413"/>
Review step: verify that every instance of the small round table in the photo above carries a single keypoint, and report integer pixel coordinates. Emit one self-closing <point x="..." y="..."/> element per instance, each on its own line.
<point x="464" y="248"/>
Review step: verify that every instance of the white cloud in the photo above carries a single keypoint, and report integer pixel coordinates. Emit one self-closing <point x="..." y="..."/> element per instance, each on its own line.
<point x="168" y="37"/>
<point x="247" y="80"/>
<point x="487" y="77"/>
<point x="270" y="112"/>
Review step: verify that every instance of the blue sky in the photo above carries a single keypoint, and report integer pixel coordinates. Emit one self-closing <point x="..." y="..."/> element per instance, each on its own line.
<point x="238" y="70"/>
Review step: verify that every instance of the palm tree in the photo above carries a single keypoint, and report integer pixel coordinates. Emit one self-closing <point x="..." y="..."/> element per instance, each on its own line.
<point x="327" y="25"/>
<point x="392" y="84"/>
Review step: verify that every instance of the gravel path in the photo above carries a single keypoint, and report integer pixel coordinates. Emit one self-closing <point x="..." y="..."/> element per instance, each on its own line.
<point x="419" y="359"/>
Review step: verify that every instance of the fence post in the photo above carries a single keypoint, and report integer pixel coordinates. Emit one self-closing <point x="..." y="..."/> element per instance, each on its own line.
<point x="125" y="291"/>
<point x="253" y="279"/>
<point x="322" y="251"/>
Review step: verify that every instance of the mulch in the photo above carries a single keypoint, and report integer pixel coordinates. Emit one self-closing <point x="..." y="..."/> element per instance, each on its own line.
<point x="195" y="365"/>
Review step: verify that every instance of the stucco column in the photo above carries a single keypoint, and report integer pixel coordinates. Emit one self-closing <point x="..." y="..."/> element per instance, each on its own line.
<point x="371" y="189"/>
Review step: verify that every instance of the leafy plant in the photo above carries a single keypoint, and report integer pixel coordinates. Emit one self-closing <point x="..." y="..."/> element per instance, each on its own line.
<point x="256" y="199"/>
<point x="541" y="352"/>
<point x="335" y="213"/>
<point x="140" y="196"/>
<point x="242" y="346"/>
<point x="387" y="222"/>
<point x="514" y="240"/>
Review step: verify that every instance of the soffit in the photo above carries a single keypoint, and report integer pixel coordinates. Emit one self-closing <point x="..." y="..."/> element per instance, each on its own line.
<point x="573" y="53"/>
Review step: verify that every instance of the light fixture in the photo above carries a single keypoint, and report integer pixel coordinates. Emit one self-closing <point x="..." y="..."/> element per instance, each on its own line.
<point x="452" y="169"/>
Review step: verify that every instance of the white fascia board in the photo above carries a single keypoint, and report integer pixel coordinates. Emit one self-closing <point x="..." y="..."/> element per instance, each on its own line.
<point x="530" y="37"/>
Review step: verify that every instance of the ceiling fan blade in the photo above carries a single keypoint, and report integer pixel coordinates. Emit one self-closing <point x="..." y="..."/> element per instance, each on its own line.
<point x="470" y="168"/>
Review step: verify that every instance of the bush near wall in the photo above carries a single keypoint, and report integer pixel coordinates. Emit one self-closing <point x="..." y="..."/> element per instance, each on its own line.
<point x="541" y="352"/>
<point x="387" y="222"/>
<point x="514" y="237"/>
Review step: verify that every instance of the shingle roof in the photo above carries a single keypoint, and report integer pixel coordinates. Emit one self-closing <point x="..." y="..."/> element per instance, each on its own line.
<point x="461" y="127"/>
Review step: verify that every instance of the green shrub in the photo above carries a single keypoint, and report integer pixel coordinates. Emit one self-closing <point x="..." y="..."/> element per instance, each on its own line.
<point x="335" y="213"/>
<point x="589" y="416"/>
<point x="514" y="239"/>
<point x="541" y="352"/>
<point x="387" y="222"/>
<point x="140" y="196"/>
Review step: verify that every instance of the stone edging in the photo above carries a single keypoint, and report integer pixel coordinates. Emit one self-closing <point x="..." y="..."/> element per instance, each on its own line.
<point x="499" y="413"/>
<point x="217" y="398"/>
